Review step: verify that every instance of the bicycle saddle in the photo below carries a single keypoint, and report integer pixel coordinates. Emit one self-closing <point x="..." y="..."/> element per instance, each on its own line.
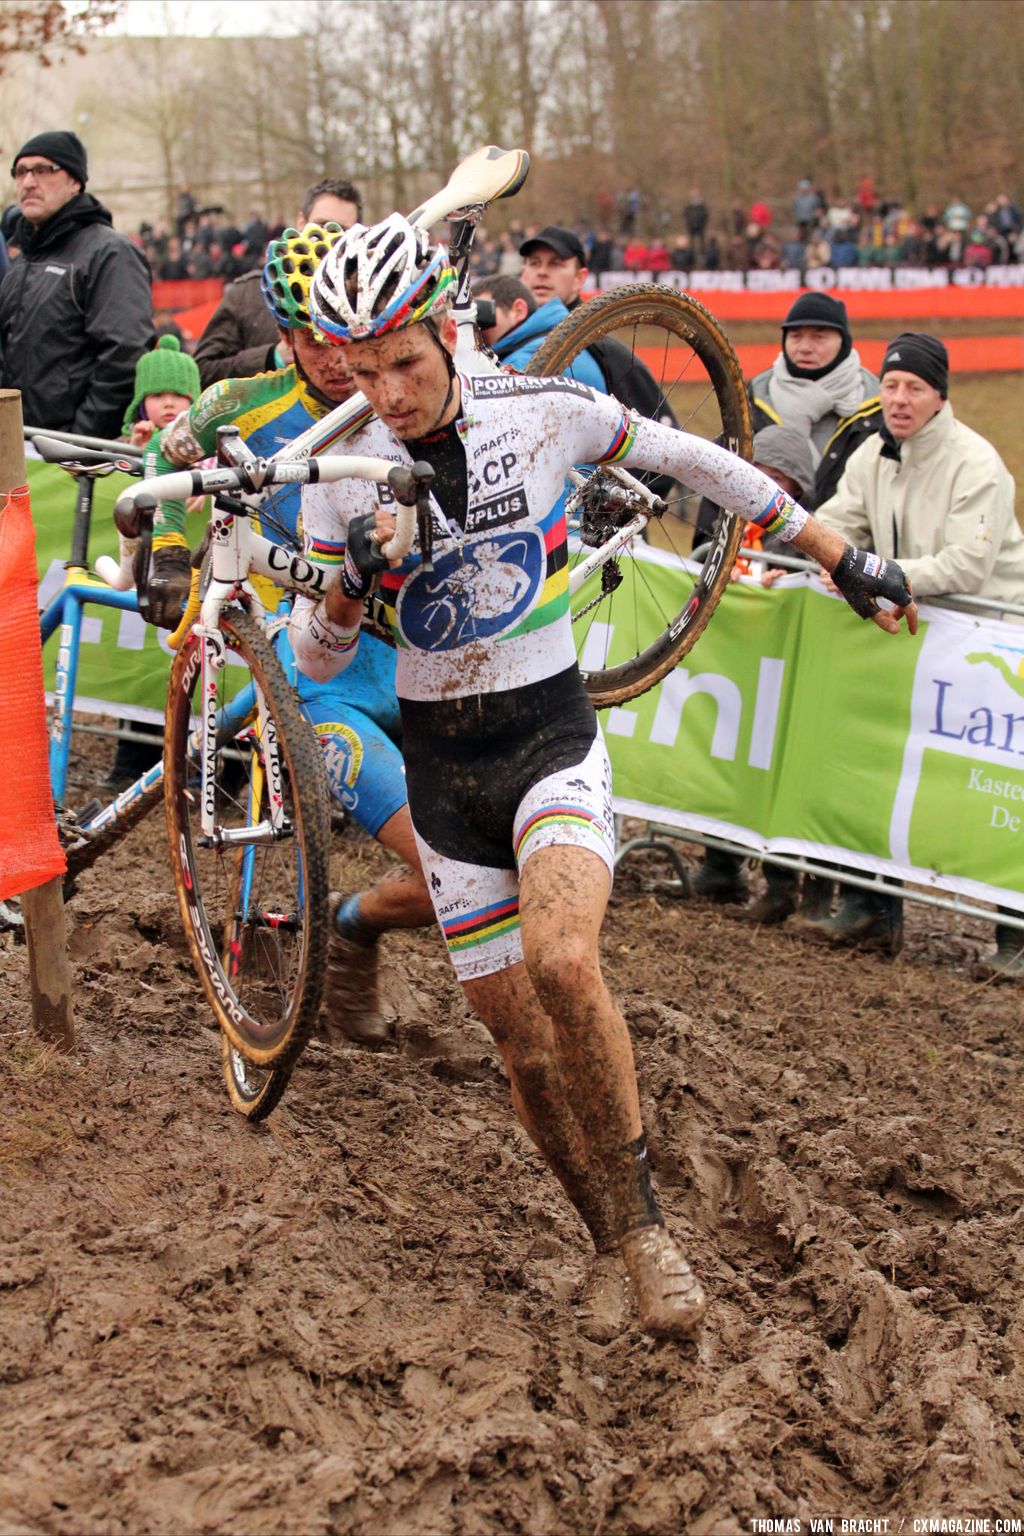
<point x="484" y="176"/>
<point x="82" y="461"/>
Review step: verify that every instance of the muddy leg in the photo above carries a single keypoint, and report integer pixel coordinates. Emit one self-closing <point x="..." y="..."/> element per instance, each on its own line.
<point x="524" y="1035"/>
<point x="563" y="895"/>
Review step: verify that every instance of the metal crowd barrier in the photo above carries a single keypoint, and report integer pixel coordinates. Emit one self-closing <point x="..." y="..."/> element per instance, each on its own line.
<point x="658" y="834"/>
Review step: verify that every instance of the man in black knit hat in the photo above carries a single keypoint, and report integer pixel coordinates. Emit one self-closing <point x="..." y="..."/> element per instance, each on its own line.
<point x="934" y="495"/>
<point x="75" y="307"/>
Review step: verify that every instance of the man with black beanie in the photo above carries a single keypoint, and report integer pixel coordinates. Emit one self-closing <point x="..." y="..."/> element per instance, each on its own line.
<point x="932" y="494"/>
<point x="818" y="386"/>
<point x="75" y="306"/>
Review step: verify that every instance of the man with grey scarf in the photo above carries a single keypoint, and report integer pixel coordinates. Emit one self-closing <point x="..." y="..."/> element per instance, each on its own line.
<point x="818" y="386"/>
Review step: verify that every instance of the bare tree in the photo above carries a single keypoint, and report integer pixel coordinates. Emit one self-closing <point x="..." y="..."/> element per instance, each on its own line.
<point x="43" y="28"/>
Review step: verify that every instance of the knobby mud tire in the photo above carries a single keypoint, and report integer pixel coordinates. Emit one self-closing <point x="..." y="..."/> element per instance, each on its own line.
<point x="256" y="918"/>
<point x="255" y="1092"/>
<point x="679" y="316"/>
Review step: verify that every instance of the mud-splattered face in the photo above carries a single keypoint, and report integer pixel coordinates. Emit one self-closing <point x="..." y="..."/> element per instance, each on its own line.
<point x="324" y="365"/>
<point x="405" y="377"/>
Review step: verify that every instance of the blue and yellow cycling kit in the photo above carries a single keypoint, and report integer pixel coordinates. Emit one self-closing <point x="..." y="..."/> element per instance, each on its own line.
<point x="355" y="715"/>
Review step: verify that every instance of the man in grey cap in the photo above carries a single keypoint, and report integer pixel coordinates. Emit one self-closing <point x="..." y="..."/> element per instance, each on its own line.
<point x="75" y="307"/>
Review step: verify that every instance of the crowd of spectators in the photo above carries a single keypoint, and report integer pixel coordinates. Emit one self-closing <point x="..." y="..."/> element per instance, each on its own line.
<point x="806" y="232"/>
<point x="205" y="241"/>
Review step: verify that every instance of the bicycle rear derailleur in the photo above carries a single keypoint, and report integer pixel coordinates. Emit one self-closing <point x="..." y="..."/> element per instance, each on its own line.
<point x="602" y="504"/>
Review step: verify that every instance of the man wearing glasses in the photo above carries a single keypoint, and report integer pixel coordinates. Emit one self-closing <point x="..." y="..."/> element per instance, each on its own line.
<point x="75" y="307"/>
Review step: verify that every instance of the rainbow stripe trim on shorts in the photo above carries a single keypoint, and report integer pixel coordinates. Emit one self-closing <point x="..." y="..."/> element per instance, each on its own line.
<point x="621" y="443"/>
<point x="559" y="815"/>
<point x="466" y="932"/>
<point x="326" y="552"/>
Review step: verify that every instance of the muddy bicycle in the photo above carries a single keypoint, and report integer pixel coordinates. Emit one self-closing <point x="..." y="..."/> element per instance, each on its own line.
<point x="244" y="784"/>
<point x="640" y="600"/>
<point x="271" y="951"/>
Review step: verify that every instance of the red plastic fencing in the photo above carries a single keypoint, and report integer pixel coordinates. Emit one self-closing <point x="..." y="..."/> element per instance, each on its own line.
<point x="30" y="852"/>
<point x="967" y="354"/>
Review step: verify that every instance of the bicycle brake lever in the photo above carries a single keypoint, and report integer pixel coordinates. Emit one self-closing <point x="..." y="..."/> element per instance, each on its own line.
<point x="404" y="482"/>
<point x="131" y="520"/>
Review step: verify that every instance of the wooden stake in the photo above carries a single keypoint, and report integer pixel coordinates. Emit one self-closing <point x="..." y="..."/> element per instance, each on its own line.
<point x="43" y="908"/>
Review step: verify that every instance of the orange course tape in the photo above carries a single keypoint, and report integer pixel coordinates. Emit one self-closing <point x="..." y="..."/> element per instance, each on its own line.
<point x="30" y="852"/>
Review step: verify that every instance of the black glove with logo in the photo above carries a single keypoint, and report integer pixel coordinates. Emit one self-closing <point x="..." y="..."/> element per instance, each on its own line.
<point x="165" y="587"/>
<point x="364" y="562"/>
<point x="862" y="578"/>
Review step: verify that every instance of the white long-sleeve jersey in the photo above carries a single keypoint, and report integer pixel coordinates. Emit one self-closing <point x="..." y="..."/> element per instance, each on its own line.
<point x="493" y="614"/>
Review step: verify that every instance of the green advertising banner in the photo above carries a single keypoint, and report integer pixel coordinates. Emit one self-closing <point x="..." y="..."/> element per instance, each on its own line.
<point x="792" y="727"/>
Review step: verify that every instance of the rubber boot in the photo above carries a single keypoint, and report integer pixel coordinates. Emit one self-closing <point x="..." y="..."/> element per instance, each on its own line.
<point x="1007" y="963"/>
<point x="865" y="920"/>
<point x="816" y="897"/>
<point x="778" y="901"/>
<point x="720" y="877"/>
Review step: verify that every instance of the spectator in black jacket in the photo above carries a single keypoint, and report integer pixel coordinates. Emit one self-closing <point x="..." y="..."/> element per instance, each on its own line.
<point x="75" y="308"/>
<point x="696" y="215"/>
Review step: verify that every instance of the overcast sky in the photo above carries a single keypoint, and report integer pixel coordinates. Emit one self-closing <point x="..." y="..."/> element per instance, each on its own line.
<point x="206" y="18"/>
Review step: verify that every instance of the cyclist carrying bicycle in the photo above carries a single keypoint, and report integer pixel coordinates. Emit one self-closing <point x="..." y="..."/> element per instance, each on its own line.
<point x="509" y="781"/>
<point x="354" y="716"/>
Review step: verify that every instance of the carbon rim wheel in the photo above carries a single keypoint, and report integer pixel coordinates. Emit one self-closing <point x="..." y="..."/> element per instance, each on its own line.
<point x="254" y="910"/>
<point x="254" y="1091"/>
<point x="634" y="624"/>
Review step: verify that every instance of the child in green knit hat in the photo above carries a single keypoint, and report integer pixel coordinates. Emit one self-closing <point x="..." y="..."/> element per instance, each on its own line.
<point x="166" y="383"/>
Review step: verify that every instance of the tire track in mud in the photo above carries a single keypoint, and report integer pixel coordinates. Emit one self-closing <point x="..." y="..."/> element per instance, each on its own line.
<point x="359" y="1318"/>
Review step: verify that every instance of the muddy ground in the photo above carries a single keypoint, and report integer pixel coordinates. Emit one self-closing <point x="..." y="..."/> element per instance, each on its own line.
<point x="358" y="1318"/>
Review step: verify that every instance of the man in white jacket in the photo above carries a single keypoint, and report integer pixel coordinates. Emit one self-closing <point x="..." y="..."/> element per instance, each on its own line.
<point x="934" y="495"/>
<point x="926" y="490"/>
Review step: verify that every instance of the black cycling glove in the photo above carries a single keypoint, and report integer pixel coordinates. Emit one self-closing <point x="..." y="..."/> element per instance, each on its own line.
<point x="363" y="559"/>
<point x="166" y="586"/>
<point x="862" y="578"/>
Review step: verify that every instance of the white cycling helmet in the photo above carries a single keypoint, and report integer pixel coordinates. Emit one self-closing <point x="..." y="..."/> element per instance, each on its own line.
<point x="378" y="280"/>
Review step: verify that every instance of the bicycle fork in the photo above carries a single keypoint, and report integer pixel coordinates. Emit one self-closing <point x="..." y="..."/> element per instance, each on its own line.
<point x="214" y="658"/>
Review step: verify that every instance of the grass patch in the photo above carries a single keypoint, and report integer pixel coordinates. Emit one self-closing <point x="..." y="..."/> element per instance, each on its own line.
<point x="26" y="1055"/>
<point x="29" y="1136"/>
<point x="993" y="404"/>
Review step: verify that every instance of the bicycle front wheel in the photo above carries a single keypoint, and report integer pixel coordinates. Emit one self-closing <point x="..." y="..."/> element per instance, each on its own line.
<point x="643" y="610"/>
<point x="253" y="1091"/>
<point x="252" y="882"/>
